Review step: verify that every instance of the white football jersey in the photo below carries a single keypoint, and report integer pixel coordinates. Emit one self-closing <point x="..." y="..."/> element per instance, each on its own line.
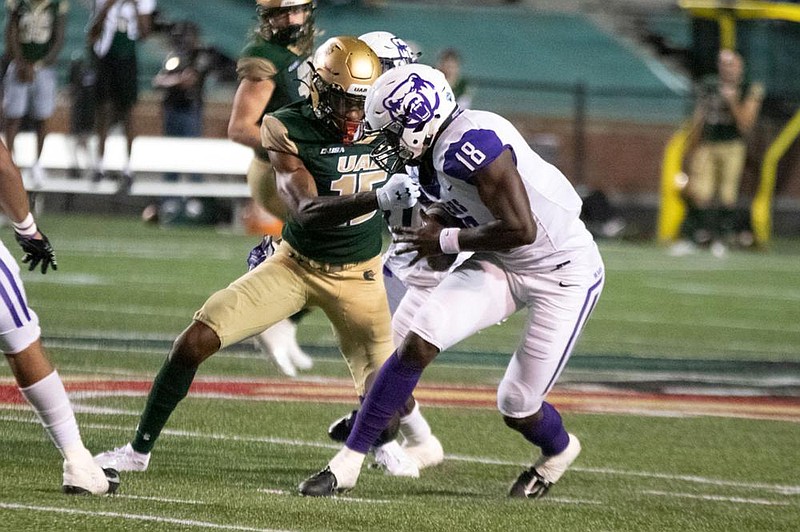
<point x="473" y="140"/>
<point x="418" y="274"/>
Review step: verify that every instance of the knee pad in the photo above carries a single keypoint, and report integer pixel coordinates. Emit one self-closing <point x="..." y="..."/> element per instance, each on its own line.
<point x="516" y="400"/>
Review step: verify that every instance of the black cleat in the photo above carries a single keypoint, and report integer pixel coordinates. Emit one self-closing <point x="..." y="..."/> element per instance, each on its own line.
<point x="529" y="485"/>
<point x="112" y="476"/>
<point x="84" y="485"/>
<point x="341" y="428"/>
<point x="322" y="484"/>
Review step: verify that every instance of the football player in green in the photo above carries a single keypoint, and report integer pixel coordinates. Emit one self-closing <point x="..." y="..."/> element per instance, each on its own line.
<point x="271" y="69"/>
<point x="34" y="38"/>
<point x="329" y="256"/>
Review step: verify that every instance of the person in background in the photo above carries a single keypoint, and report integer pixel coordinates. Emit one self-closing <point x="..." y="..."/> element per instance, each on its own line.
<point x="449" y="63"/>
<point x="114" y="31"/>
<point x="21" y="342"/>
<point x="726" y="111"/>
<point x="35" y="37"/>
<point x="182" y="79"/>
<point x="82" y="78"/>
<point x="271" y="71"/>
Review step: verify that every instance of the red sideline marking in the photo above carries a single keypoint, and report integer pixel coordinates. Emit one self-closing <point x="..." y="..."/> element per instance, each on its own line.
<point x="341" y="391"/>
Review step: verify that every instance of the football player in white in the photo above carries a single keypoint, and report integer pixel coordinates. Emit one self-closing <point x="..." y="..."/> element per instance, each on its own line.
<point x="20" y="340"/>
<point x="521" y="217"/>
<point x="407" y="281"/>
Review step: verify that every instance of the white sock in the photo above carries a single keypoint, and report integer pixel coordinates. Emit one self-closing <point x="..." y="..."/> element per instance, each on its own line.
<point x="346" y="465"/>
<point x="414" y="427"/>
<point x="77" y="453"/>
<point x="50" y="402"/>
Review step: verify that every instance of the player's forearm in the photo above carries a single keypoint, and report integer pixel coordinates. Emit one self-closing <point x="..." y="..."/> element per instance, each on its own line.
<point x="496" y="236"/>
<point x="330" y="211"/>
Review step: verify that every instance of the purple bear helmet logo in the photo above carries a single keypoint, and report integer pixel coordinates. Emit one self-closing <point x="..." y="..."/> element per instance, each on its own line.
<point x="414" y="101"/>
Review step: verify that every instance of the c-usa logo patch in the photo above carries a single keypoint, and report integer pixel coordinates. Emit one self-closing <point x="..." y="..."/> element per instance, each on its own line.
<point x="414" y="99"/>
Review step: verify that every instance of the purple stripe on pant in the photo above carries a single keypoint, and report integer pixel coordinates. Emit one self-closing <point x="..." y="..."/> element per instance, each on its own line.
<point x="17" y="292"/>
<point x="588" y="305"/>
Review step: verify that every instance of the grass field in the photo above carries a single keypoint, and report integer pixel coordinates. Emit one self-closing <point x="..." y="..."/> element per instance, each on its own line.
<point x="684" y="389"/>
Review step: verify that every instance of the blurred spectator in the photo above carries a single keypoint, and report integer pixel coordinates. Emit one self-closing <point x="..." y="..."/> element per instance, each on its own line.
<point x="449" y="62"/>
<point x="726" y="110"/>
<point x="182" y="78"/>
<point x="82" y="77"/>
<point x="34" y="37"/>
<point x="115" y="29"/>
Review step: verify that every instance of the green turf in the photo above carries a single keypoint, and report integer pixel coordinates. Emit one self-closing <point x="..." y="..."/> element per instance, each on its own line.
<point x="124" y="290"/>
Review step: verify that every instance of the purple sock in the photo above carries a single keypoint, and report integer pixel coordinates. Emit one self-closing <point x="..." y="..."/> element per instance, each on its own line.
<point x="393" y="386"/>
<point x="548" y="433"/>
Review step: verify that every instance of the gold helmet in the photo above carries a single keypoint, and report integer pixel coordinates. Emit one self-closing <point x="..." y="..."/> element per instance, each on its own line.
<point x="344" y="68"/>
<point x="269" y="10"/>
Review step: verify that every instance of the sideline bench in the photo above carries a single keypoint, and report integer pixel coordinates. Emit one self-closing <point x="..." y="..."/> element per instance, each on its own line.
<point x="221" y="164"/>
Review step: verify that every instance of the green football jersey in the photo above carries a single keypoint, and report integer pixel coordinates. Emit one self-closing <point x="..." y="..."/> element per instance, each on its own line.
<point x="338" y="169"/>
<point x="286" y="68"/>
<point x="37" y="23"/>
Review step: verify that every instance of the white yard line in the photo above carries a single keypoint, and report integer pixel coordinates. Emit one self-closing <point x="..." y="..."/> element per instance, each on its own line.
<point x="776" y="488"/>
<point x="157" y="499"/>
<point x="786" y="490"/>
<point x="344" y="498"/>
<point x="717" y="498"/>
<point x="135" y="517"/>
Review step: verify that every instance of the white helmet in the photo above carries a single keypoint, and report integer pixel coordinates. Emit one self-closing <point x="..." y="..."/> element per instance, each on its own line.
<point x="407" y="106"/>
<point x="390" y="49"/>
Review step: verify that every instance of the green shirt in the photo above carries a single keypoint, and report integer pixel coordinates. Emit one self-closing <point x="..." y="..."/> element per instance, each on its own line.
<point x="338" y="169"/>
<point x="37" y="24"/>
<point x="287" y="65"/>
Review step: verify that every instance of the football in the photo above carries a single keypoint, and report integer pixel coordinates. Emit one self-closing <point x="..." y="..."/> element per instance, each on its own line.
<point x="441" y="263"/>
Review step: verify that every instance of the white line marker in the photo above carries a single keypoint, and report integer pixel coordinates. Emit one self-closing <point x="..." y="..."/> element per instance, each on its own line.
<point x="157" y="499"/>
<point x="776" y="488"/>
<point x="717" y="498"/>
<point x="136" y="517"/>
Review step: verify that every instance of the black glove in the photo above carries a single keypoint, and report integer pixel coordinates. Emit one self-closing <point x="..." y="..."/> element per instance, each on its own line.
<point x="37" y="250"/>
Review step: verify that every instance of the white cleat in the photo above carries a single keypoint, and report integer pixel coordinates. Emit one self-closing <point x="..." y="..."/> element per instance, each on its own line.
<point x="682" y="248"/>
<point x="719" y="249"/>
<point x="123" y="459"/>
<point x="37" y="175"/>
<point x="300" y="358"/>
<point x="82" y="476"/>
<point x="426" y="454"/>
<point x="394" y="461"/>
<point x="276" y="343"/>
<point x="535" y="482"/>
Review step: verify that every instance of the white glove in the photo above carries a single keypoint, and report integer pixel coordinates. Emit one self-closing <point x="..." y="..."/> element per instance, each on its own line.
<point x="401" y="191"/>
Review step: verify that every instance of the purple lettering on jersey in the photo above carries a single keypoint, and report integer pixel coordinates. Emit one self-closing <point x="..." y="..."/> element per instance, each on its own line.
<point x="474" y="150"/>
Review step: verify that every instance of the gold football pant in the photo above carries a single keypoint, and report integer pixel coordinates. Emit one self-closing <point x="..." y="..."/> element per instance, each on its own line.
<point x="716" y="170"/>
<point x="351" y="295"/>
